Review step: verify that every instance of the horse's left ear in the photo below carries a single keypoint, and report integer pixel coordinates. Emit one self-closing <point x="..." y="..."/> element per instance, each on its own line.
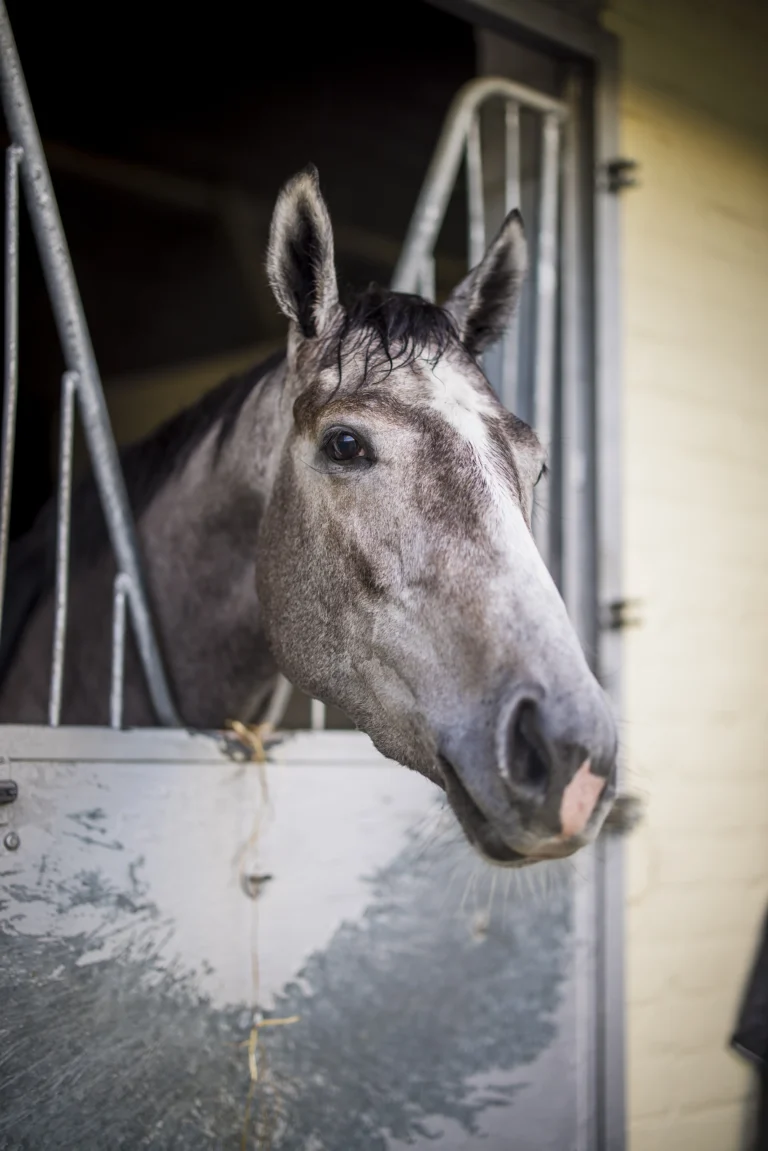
<point x="485" y="300"/>
<point x="300" y="263"/>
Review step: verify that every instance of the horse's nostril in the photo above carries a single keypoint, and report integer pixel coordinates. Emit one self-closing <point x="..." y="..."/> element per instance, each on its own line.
<point x="527" y="759"/>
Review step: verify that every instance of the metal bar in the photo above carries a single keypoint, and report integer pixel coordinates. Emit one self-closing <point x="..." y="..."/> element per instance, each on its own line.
<point x="578" y="545"/>
<point x="512" y="199"/>
<point x="11" y="353"/>
<point x="69" y="385"/>
<point x="546" y="308"/>
<point x="317" y="715"/>
<point x="426" y="286"/>
<point x="278" y="702"/>
<point x="78" y="354"/>
<point x="546" y="281"/>
<point x="511" y="156"/>
<point x="578" y="520"/>
<point x="475" y="197"/>
<point x="122" y="591"/>
<point x="612" y="1113"/>
<point x="444" y="166"/>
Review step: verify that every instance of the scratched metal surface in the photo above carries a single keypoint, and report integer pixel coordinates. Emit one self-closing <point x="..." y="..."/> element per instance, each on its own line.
<point x="436" y="1006"/>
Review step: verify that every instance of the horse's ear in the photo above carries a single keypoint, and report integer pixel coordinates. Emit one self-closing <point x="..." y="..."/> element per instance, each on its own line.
<point x="485" y="300"/>
<point x="300" y="263"/>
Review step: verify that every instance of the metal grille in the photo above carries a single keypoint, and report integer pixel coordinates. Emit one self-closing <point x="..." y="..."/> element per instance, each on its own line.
<point x="461" y="141"/>
<point x="81" y="388"/>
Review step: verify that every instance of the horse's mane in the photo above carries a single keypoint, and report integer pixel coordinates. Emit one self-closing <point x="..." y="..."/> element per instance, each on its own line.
<point x="391" y="328"/>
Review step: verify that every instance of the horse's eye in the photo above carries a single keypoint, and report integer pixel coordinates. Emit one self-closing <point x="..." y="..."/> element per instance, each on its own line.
<point x="343" y="447"/>
<point x="544" y="471"/>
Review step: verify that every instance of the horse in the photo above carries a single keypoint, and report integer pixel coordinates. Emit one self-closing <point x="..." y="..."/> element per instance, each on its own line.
<point x="354" y="513"/>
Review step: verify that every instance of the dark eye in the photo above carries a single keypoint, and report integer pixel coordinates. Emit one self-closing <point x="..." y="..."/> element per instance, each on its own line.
<point x="342" y="447"/>
<point x="544" y="471"/>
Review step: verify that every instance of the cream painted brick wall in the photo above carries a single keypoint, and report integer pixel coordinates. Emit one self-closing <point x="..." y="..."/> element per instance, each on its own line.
<point x="695" y="291"/>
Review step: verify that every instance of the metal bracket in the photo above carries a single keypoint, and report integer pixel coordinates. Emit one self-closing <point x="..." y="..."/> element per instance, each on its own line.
<point x="620" y="174"/>
<point x="9" y="791"/>
<point x="620" y="614"/>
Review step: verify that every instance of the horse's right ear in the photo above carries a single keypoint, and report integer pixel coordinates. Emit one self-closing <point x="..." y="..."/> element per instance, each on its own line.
<point x="300" y="263"/>
<point x="485" y="300"/>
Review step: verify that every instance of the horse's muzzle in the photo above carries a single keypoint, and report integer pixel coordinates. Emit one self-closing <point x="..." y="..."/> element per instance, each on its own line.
<point x="544" y="788"/>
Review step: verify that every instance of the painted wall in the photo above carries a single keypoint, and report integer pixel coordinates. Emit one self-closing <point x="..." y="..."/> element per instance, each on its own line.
<point x="695" y="285"/>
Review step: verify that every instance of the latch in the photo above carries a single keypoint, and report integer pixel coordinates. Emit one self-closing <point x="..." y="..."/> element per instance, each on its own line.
<point x="620" y="173"/>
<point x="620" y="614"/>
<point x="9" y="791"/>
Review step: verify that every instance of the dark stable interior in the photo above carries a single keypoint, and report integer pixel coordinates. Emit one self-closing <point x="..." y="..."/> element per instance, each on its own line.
<point x="168" y="137"/>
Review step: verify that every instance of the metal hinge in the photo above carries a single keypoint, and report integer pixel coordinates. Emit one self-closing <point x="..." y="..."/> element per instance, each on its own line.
<point x="620" y="174"/>
<point x="620" y="614"/>
<point x="9" y="791"/>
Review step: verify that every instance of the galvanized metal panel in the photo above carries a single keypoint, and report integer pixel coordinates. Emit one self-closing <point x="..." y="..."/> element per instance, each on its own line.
<point x="435" y="997"/>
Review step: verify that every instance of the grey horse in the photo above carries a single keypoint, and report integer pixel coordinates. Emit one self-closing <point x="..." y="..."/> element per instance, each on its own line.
<point x="356" y="514"/>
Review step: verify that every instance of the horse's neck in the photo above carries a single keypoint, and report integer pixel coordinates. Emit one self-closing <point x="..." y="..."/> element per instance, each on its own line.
<point x="199" y="541"/>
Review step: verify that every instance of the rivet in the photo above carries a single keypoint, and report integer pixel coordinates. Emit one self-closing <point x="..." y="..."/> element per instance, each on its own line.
<point x="12" y="841"/>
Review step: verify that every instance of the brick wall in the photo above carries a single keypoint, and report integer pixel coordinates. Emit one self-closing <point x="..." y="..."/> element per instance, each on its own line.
<point x="695" y="115"/>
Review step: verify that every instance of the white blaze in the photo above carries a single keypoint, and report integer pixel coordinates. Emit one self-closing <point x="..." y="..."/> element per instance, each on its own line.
<point x="465" y="408"/>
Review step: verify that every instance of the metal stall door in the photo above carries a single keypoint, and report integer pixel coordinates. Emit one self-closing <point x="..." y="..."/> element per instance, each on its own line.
<point x="199" y="953"/>
<point x="200" y="950"/>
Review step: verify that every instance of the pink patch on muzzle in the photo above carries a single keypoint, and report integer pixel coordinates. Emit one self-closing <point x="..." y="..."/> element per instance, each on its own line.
<point x="579" y="800"/>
